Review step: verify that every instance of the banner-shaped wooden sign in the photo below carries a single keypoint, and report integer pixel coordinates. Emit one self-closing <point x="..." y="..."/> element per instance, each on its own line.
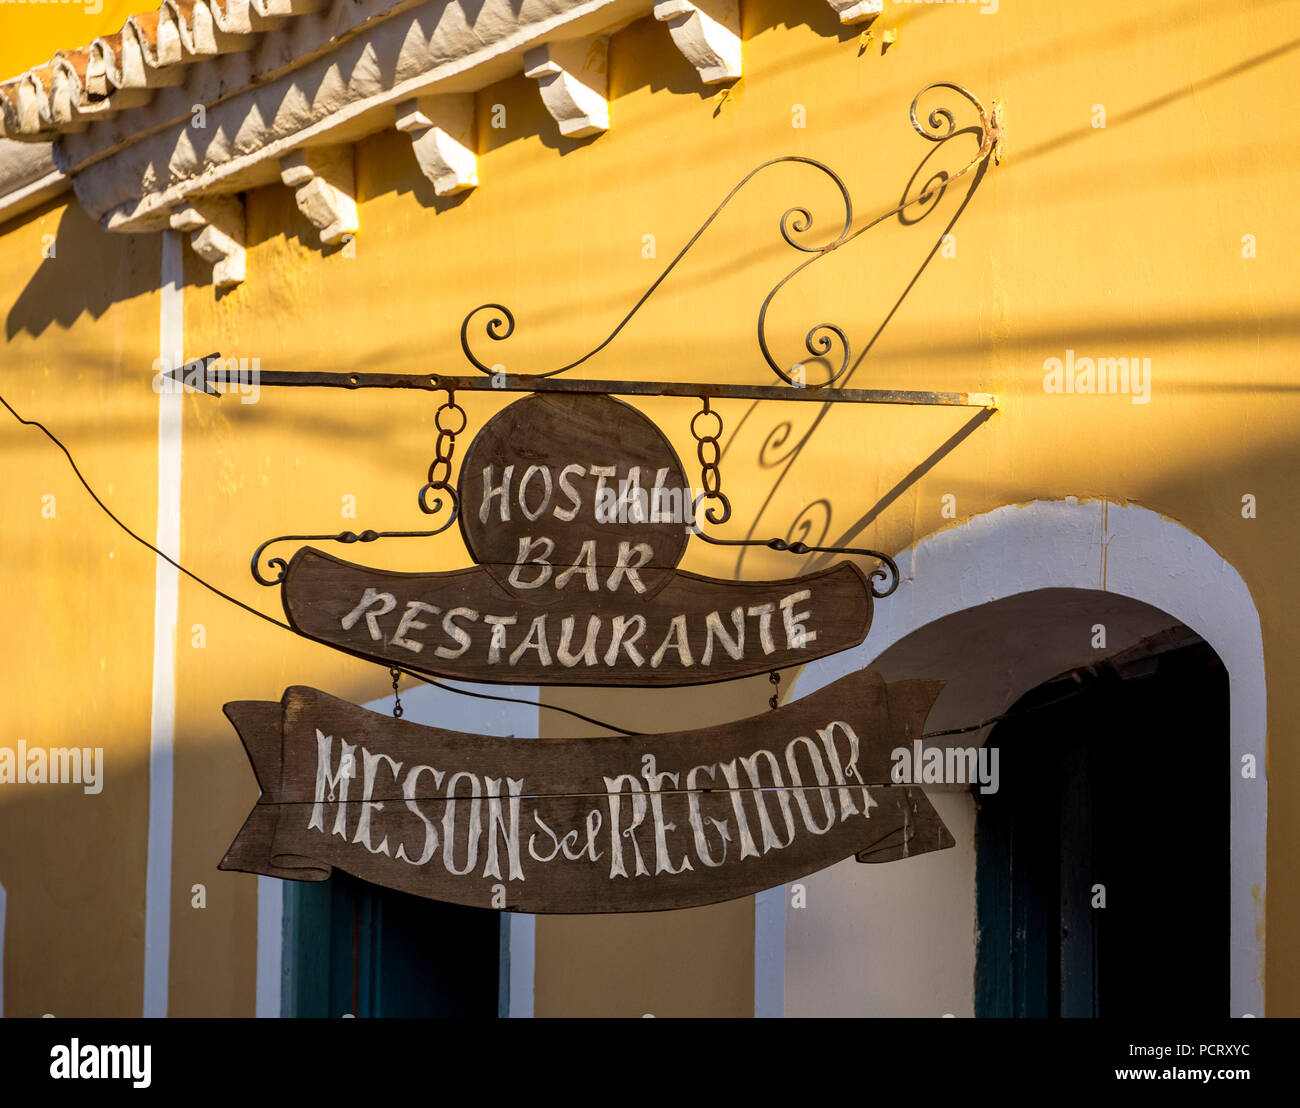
<point x="624" y="824"/>
<point x="465" y="624"/>
<point x="575" y="511"/>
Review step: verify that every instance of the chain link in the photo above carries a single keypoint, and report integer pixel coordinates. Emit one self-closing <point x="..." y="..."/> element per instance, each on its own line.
<point x="444" y="450"/>
<point x="709" y="452"/>
<point x="772" y="701"/>
<point x="397" y="700"/>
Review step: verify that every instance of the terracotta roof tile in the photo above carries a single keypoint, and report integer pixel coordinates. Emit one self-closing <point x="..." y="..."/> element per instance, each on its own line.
<point x="150" y="50"/>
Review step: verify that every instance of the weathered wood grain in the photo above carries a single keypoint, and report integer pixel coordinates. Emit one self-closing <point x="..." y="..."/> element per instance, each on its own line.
<point x="624" y="824"/>
<point x="694" y="630"/>
<point x="544" y="463"/>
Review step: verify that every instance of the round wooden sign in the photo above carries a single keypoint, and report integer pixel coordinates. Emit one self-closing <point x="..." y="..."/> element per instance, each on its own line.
<point x="568" y="494"/>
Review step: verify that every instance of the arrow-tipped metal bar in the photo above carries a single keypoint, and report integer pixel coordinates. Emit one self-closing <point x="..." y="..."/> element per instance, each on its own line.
<point x="202" y="375"/>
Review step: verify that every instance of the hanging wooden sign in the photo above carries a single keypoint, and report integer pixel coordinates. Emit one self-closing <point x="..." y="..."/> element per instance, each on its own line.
<point x="465" y="624"/>
<point x="570" y="493"/>
<point x="576" y="513"/>
<point x="575" y="509"/>
<point x="625" y="824"/>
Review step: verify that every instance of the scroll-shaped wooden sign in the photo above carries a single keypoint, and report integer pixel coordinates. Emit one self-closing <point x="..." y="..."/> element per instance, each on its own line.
<point x="465" y="624"/>
<point x="624" y="824"/>
<point x="575" y="511"/>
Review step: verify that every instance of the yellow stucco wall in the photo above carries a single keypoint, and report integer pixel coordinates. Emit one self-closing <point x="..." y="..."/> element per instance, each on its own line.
<point x="1117" y="241"/>
<point x="77" y="645"/>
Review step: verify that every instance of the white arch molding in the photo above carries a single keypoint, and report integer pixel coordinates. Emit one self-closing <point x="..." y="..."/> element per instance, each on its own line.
<point x="1124" y="550"/>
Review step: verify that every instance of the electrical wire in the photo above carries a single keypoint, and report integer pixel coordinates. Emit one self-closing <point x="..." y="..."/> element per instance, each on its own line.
<point x="415" y="676"/>
<point x="262" y="615"/>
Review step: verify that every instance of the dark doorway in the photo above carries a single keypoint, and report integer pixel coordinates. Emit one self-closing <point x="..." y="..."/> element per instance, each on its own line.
<point x="1114" y="783"/>
<point x="352" y="948"/>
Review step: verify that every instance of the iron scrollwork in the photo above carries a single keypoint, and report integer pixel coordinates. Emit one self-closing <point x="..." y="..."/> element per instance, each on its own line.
<point x="938" y="126"/>
<point x="280" y="566"/>
<point x="882" y="580"/>
<point x="439" y="483"/>
<point x="820" y="341"/>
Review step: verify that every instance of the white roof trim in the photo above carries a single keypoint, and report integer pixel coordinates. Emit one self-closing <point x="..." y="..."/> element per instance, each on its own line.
<point x="153" y="125"/>
<point x="28" y="177"/>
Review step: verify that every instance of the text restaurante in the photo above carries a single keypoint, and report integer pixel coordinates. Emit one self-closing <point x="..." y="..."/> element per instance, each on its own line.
<point x="607" y="641"/>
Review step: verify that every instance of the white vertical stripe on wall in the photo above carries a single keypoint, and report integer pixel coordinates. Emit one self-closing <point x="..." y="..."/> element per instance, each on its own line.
<point x="769" y="953"/>
<point x="270" y="946"/>
<point x="158" y="878"/>
<point x="518" y="965"/>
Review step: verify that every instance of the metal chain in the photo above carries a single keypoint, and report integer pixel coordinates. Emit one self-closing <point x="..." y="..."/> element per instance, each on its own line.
<point x="444" y="450"/>
<point x="709" y="451"/>
<point x="397" y="700"/>
<point x="775" y="679"/>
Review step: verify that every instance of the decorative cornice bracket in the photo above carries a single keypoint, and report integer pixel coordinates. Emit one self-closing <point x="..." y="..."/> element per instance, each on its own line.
<point x="574" y="81"/>
<point x="442" y="135"/>
<point x="707" y="32"/>
<point x="856" y="11"/>
<point x="216" y="226"/>
<point x="325" y="188"/>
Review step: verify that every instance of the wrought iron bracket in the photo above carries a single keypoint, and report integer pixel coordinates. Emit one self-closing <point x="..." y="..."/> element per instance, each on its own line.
<point x="280" y="566"/>
<point x="826" y="342"/>
<point x="882" y="580"/>
<point x="199" y="376"/>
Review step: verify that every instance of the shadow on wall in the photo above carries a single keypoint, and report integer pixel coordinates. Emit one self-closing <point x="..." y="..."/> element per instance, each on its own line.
<point x="117" y="267"/>
<point x="86" y="272"/>
<point x="106" y="274"/>
<point x="74" y="872"/>
<point x="782" y="445"/>
<point x="1138" y="111"/>
<point x="73" y="902"/>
